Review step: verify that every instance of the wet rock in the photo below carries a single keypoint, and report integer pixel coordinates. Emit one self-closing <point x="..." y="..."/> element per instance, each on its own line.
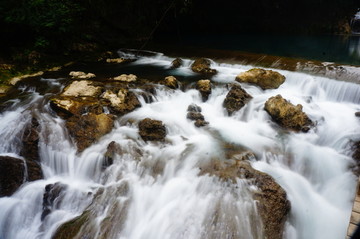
<point x="273" y="204"/>
<point x="68" y="106"/>
<point x="30" y="150"/>
<point x="152" y="130"/>
<point x="4" y="89"/>
<point x="287" y="115"/>
<point x="266" y="79"/>
<point x="81" y="75"/>
<point x="194" y="108"/>
<point x="177" y="63"/>
<point x="72" y="228"/>
<point x="52" y="198"/>
<point x="15" y="80"/>
<point x="194" y="114"/>
<point x="118" y="60"/>
<point x="82" y="88"/>
<point x="204" y="87"/>
<point x="114" y="149"/>
<point x="171" y="82"/>
<point x="12" y="175"/>
<point x="122" y="102"/>
<point x="236" y="98"/>
<point x="87" y="129"/>
<point x="126" y="78"/>
<point x="202" y="65"/>
<point x="357" y="114"/>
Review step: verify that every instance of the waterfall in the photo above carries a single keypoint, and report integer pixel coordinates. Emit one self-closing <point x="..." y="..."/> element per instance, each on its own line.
<point x="156" y="190"/>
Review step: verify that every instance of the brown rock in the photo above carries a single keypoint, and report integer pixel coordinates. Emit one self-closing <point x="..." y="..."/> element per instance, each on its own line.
<point x="204" y="87"/>
<point x="177" y="63"/>
<point x="82" y="88"/>
<point x="266" y="79"/>
<point x="81" y="75"/>
<point x="152" y="130"/>
<point x="171" y="82"/>
<point x="236" y="98"/>
<point x="87" y="129"/>
<point x="287" y="115"/>
<point x="12" y="175"/>
<point x="273" y="204"/>
<point x="68" y="106"/>
<point x="121" y="102"/>
<point x="126" y="78"/>
<point x="202" y="65"/>
<point x="194" y="114"/>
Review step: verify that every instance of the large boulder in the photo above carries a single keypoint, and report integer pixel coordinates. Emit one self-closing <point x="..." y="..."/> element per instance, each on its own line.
<point x="266" y="79"/>
<point x="12" y="175"/>
<point x="273" y="204"/>
<point x="202" y="65"/>
<point x="152" y="130"/>
<point x="236" y="98"/>
<point x="68" y="106"/>
<point x="287" y="115"/>
<point x="87" y="129"/>
<point x="122" y="101"/>
<point x="204" y="87"/>
<point x="82" y="88"/>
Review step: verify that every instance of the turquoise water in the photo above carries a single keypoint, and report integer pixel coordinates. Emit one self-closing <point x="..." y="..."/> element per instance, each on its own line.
<point x="338" y="49"/>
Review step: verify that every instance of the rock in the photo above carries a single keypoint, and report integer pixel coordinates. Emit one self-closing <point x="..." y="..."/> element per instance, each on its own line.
<point x="236" y="98"/>
<point x="4" y="89"/>
<point x="114" y="149"/>
<point x="194" y="114"/>
<point x="87" y="129"/>
<point x="16" y="79"/>
<point x="177" y="63"/>
<point x="204" y="87"/>
<point x="122" y="102"/>
<point x="68" y="106"/>
<point x="53" y="196"/>
<point x="30" y="150"/>
<point x="12" y="175"/>
<point x="118" y="60"/>
<point x="202" y="65"/>
<point x="81" y="75"/>
<point x="152" y="130"/>
<point x="266" y="79"/>
<point x="287" y="115"/>
<point x="273" y="204"/>
<point x="82" y="89"/>
<point x="171" y="82"/>
<point x="126" y="78"/>
<point x="73" y="227"/>
<point x="357" y="114"/>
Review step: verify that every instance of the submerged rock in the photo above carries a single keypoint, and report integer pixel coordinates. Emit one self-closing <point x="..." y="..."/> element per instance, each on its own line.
<point x="126" y="78"/>
<point x="266" y="79"/>
<point x="152" y="130"/>
<point x="171" y="82"/>
<point x="287" y="115"/>
<point x="81" y="75"/>
<point x="204" y="87"/>
<point x="82" y="88"/>
<point x="194" y="114"/>
<point x="236" y="98"/>
<point x="177" y="63"/>
<point x="273" y="204"/>
<point x="202" y="65"/>
<point x="52" y="198"/>
<point x="87" y="129"/>
<point x="12" y="175"/>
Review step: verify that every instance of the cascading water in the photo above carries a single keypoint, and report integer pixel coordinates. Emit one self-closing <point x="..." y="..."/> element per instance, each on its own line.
<point x="154" y="190"/>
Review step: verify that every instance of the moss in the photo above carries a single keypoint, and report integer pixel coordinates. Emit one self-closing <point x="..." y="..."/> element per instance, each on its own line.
<point x="71" y="228"/>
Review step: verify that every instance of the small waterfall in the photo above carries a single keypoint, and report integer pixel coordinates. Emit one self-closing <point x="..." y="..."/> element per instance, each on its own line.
<point x="156" y="190"/>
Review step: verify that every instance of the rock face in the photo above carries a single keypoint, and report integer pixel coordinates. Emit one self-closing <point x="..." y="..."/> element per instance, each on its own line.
<point x="236" y="98"/>
<point x="86" y="129"/>
<point x="194" y="114"/>
<point x="202" y="65"/>
<point x="287" y="115"/>
<point x="177" y="63"/>
<point x="82" y="89"/>
<point x="266" y="79"/>
<point x="30" y="151"/>
<point x="12" y="175"/>
<point x="152" y="130"/>
<point x="273" y="204"/>
<point x="171" y="82"/>
<point x="126" y="78"/>
<point x="81" y="75"/>
<point x="204" y="87"/>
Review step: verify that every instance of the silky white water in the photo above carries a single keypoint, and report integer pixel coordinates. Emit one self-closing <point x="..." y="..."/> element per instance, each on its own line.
<point x="154" y="191"/>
